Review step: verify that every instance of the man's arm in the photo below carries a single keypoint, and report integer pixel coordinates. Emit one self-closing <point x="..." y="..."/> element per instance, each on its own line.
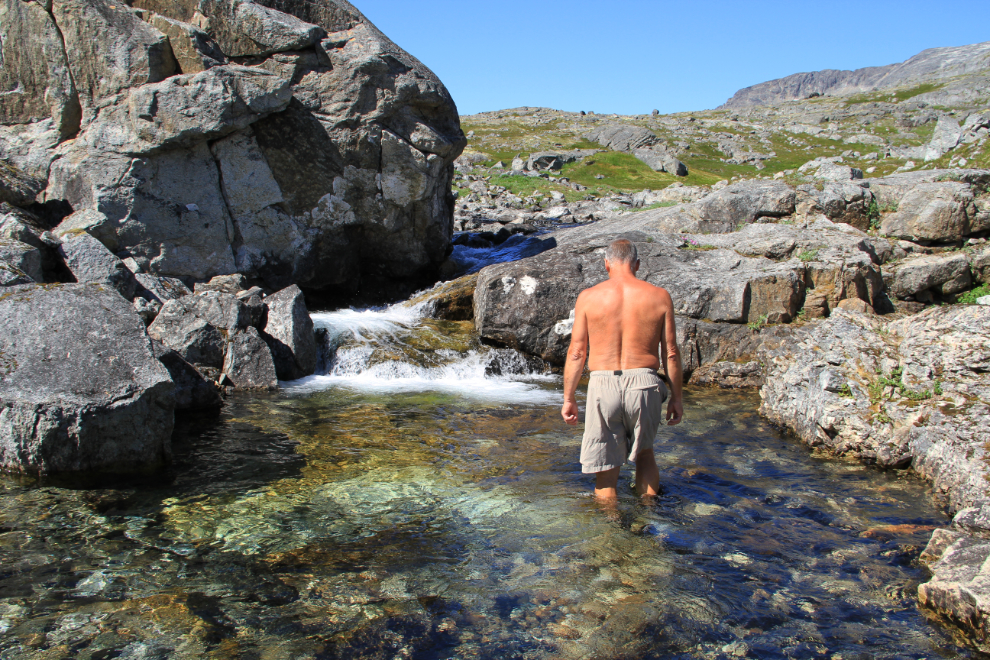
<point x="670" y="355"/>
<point x="577" y="353"/>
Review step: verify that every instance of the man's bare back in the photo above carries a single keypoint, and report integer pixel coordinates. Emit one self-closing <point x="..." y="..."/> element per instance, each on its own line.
<point x="623" y="324"/>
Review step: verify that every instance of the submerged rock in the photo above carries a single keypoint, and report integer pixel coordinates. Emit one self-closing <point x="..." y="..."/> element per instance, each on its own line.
<point x="82" y="397"/>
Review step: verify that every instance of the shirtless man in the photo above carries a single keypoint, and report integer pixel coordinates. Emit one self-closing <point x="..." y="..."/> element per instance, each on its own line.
<point x="629" y="325"/>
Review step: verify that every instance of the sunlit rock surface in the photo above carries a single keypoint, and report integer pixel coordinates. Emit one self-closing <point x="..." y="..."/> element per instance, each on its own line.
<point x="322" y="155"/>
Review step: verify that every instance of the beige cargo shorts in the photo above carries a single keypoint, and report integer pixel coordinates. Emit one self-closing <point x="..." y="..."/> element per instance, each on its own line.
<point x="623" y="414"/>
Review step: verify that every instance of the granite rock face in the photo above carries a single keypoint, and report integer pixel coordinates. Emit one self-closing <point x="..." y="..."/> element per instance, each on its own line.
<point x="906" y="392"/>
<point x="83" y="397"/>
<point x="327" y="158"/>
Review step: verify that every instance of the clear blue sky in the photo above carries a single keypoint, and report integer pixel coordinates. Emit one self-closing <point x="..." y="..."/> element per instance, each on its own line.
<point x="631" y="56"/>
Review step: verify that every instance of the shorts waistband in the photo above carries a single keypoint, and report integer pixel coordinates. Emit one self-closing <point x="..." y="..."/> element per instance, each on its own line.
<point x="625" y="372"/>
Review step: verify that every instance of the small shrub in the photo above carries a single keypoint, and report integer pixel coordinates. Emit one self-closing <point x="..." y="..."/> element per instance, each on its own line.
<point x="845" y="391"/>
<point x="758" y="323"/>
<point x="873" y="214"/>
<point x="808" y="255"/>
<point x="971" y="296"/>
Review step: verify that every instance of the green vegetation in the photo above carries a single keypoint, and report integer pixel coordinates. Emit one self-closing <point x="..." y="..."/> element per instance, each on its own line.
<point x="758" y="323"/>
<point x="845" y="391"/>
<point x="970" y="297"/>
<point x="621" y="171"/>
<point x="877" y="388"/>
<point x="873" y="214"/>
<point x="893" y="97"/>
<point x="808" y="255"/>
<point x="526" y="186"/>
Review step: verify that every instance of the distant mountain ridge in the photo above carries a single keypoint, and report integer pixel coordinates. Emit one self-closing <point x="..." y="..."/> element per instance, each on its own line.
<point x="929" y="65"/>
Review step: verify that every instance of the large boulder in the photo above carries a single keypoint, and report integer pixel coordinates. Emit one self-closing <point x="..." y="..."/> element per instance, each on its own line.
<point x="327" y="160"/>
<point x="937" y="211"/>
<point x="290" y="334"/>
<point x="80" y="389"/>
<point x="623" y="137"/>
<point x="761" y="274"/>
<point x="659" y="160"/>
<point x="90" y="261"/>
<point x="941" y="274"/>
<point x="747" y="201"/>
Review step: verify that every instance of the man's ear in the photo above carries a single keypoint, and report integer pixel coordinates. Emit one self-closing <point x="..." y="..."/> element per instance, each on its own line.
<point x="636" y="266"/>
<point x="608" y="267"/>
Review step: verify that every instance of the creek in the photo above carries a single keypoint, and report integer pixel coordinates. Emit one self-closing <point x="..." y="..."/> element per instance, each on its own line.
<point x="421" y="498"/>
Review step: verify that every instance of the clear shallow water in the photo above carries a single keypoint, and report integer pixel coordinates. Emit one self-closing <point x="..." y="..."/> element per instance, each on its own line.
<point x="412" y="520"/>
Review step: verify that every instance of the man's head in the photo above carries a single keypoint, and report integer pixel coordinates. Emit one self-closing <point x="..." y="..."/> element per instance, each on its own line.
<point x="621" y="253"/>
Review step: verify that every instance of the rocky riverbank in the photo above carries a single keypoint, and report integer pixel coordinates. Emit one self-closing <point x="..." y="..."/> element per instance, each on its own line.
<point x="864" y="343"/>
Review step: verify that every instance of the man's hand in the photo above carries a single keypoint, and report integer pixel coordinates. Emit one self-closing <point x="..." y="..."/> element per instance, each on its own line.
<point x="569" y="411"/>
<point x="675" y="412"/>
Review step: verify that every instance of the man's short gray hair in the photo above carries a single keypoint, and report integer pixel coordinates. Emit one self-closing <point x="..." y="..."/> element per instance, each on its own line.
<point x="621" y="251"/>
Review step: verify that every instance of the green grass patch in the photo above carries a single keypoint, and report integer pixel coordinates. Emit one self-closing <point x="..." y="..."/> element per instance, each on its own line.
<point x="911" y="92"/>
<point x="808" y="255"/>
<point x="970" y="297"/>
<point x="884" y="96"/>
<point x="621" y="171"/>
<point x="758" y="323"/>
<point x="526" y="186"/>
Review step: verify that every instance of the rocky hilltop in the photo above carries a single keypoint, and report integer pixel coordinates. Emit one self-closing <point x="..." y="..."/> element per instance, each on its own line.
<point x="963" y="70"/>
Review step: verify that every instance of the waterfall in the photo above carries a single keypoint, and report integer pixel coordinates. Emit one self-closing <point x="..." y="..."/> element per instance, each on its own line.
<point x="400" y="349"/>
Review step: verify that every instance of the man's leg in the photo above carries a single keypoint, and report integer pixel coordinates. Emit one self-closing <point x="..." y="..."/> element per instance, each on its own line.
<point x="647" y="474"/>
<point x="605" y="483"/>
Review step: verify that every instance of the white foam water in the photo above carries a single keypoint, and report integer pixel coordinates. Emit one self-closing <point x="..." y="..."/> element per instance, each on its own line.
<point x="485" y="374"/>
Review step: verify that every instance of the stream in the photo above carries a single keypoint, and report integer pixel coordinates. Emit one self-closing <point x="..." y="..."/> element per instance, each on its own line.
<point x="421" y="498"/>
